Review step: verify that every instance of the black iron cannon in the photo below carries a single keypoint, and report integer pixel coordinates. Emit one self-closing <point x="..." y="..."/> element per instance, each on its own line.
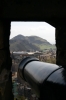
<point x="47" y="80"/>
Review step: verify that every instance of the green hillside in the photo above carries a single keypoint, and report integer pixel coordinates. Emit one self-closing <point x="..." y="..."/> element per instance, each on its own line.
<point x="37" y="40"/>
<point x="41" y="43"/>
<point x="32" y="43"/>
<point x="42" y="47"/>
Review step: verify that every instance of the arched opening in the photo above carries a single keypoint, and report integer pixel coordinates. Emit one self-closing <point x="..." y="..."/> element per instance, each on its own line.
<point x="30" y="39"/>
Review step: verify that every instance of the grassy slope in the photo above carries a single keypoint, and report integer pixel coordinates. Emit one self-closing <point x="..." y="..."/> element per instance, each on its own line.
<point x="20" y="45"/>
<point x="40" y="42"/>
<point x="42" y="47"/>
<point x="21" y="42"/>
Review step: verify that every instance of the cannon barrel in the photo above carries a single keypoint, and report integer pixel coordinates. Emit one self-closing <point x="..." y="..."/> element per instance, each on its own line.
<point x="47" y="80"/>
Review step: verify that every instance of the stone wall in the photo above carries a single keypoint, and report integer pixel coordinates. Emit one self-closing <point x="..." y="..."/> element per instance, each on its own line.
<point x="61" y="46"/>
<point x="5" y="62"/>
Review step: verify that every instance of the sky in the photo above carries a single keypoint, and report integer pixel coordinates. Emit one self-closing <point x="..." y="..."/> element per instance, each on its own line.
<point x="41" y="29"/>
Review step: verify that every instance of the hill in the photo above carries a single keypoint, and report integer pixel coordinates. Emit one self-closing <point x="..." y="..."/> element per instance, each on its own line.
<point x="33" y="43"/>
<point x="19" y="43"/>
<point x="37" y="40"/>
<point x="18" y="37"/>
<point x="40" y="42"/>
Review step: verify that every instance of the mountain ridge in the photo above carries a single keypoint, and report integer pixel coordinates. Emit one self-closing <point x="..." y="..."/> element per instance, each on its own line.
<point x="23" y="43"/>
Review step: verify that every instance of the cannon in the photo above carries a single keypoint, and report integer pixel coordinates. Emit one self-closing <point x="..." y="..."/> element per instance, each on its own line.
<point x="47" y="80"/>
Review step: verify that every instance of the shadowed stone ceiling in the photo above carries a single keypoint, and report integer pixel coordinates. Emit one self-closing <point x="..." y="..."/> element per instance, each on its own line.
<point x="51" y="11"/>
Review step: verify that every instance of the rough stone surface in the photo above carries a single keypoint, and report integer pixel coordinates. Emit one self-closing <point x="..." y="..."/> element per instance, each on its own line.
<point x="61" y="46"/>
<point x="53" y="12"/>
<point x="5" y="62"/>
<point x="50" y="11"/>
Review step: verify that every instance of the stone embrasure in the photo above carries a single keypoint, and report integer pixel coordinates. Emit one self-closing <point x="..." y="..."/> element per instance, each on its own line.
<point x="61" y="46"/>
<point x="5" y="62"/>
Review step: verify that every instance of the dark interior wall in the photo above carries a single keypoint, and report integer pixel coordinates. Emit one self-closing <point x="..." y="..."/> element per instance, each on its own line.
<point x="61" y="46"/>
<point x="51" y="11"/>
<point x="31" y="10"/>
<point x="5" y="62"/>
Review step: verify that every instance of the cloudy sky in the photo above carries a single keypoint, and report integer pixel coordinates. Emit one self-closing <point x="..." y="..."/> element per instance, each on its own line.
<point x="41" y="29"/>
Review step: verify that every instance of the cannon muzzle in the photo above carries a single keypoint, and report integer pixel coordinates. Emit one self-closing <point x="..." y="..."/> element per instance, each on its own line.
<point x="47" y="80"/>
